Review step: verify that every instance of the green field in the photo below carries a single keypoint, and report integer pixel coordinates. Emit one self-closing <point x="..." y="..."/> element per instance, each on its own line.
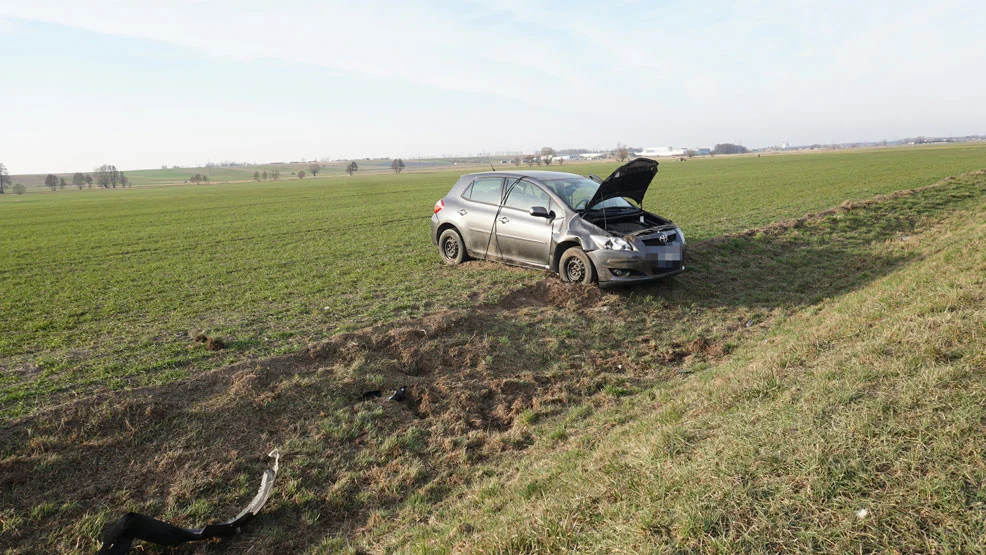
<point x="797" y="372"/>
<point x="105" y="288"/>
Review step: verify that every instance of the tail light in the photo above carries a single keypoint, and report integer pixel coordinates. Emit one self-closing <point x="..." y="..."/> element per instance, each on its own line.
<point x="439" y="205"/>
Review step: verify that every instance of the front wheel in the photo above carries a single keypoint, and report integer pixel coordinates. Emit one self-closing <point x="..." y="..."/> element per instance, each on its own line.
<point x="575" y="267"/>
<point x="451" y="246"/>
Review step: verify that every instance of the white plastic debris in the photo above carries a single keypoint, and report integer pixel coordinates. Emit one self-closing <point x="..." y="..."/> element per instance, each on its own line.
<point x="862" y="513"/>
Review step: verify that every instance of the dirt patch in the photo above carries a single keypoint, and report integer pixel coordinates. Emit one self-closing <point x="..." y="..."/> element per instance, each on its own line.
<point x="469" y="375"/>
<point x="698" y="348"/>
<point x="211" y="343"/>
<point x="552" y="292"/>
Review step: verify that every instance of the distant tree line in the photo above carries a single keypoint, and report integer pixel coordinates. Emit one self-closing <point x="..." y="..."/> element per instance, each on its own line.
<point x="106" y="176"/>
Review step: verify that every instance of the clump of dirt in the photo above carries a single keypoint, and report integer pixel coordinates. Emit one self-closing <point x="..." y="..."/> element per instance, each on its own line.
<point x="211" y="343"/>
<point x="552" y="292"/>
<point x="701" y="347"/>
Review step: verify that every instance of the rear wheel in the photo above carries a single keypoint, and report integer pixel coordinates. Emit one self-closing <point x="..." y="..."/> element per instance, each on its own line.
<point x="451" y="247"/>
<point x="575" y="267"/>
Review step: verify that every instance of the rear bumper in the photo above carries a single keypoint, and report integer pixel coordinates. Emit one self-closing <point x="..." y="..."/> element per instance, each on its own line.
<point x="615" y="268"/>
<point x="434" y="229"/>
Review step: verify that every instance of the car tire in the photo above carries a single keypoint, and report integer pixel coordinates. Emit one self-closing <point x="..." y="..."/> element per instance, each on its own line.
<point x="452" y="247"/>
<point x="575" y="267"/>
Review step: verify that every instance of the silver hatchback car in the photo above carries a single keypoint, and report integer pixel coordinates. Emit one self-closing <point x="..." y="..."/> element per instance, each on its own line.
<point x="585" y="229"/>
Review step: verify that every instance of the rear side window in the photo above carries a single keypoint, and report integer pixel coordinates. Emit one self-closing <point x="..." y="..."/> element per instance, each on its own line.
<point x="485" y="189"/>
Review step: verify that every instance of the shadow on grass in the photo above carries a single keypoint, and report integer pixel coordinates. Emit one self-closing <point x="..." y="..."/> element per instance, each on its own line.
<point x="799" y="263"/>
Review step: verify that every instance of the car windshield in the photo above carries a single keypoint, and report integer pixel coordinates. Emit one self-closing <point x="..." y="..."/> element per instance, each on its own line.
<point x="576" y="192"/>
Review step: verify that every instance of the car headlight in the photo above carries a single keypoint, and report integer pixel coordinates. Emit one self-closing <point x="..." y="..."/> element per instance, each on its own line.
<point x="611" y="243"/>
<point x="680" y="234"/>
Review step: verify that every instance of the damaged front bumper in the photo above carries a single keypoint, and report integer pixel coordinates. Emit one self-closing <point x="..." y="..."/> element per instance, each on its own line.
<point x="619" y="267"/>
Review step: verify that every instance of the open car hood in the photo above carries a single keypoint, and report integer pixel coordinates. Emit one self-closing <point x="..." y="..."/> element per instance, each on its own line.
<point x="628" y="181"/>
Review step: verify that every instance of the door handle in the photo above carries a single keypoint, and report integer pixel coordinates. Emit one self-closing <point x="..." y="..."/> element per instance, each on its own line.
<point x="504" y="220"/>
<point x="462" y="212"/>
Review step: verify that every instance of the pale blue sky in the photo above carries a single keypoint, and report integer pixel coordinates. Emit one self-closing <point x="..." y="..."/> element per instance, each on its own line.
<point x="141" y="84"/>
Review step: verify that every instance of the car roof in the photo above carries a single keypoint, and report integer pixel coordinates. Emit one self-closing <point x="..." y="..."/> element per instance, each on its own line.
<point x="539" y="175"/>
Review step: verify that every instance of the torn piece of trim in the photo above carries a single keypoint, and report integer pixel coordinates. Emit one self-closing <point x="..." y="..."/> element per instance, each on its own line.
<point x="120" y="535"/>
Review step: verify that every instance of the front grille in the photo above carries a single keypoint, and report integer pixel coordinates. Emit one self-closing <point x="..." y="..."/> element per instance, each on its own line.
<point x="656" y="241"/>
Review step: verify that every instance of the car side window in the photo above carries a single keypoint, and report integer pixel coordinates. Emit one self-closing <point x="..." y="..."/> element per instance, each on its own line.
<point x="526" y="195"/>
<point x="485" y="189"/>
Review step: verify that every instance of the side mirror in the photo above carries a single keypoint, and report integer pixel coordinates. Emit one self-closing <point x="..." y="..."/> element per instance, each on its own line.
<point x="541" y="212"/>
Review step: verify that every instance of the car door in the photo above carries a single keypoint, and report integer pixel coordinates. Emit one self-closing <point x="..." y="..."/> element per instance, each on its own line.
<point x="520" y="237"/>
<point x="481" y="200"/>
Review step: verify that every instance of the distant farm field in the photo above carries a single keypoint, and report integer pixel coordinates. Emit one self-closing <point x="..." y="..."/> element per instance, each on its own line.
<point x="106" y="288"/>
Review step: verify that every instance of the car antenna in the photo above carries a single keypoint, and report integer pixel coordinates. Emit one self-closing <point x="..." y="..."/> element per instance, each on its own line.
<point x="490" y="161"/>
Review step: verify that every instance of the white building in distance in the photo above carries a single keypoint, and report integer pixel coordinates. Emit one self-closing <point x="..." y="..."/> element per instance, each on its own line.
<point x="653" y="151"/>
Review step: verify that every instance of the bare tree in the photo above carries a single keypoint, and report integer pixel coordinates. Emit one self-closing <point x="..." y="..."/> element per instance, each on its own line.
<point x="18" y="188"/>
<point x="264" y="175"/>
<point x="547" y="155"/>
<point x="621" y="152"/>
<point x="275" y="175"/>
<point x="301" y="174"/>
<point x="352" y="168"/>
<point x="4" y="178"/>
<point x="314" y="168"/>
<point x="516" y="160"/>
<point x="61" y="183"/>
<point x="89" y="180"/>
<point x="397" y="165"/>
<point x="79" y="180"/>
<point x="107" y="175"/>
<point x="51" y="182"/>
<point x="256" y="176"/>
<point x="124" y="180"/>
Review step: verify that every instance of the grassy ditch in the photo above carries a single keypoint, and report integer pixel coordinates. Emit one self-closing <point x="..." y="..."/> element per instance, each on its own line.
<point x="854" y="425"/>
